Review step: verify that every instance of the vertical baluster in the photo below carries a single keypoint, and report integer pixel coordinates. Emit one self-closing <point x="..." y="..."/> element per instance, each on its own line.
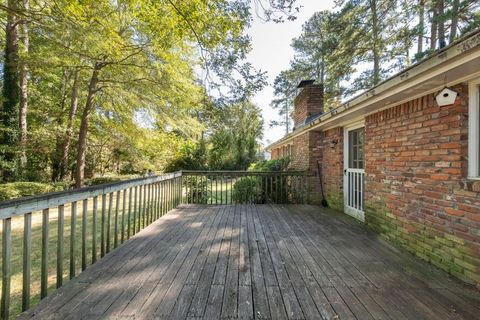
<point x="151" y="208"/>
<point x="129" y="222"/>
<point x="164" y="196"/>
<point x="271" y="188"/>
<point x="140" y="190"/>
<point x="277" y="188"/>
<point x="102" y="226"/>
<point x="280" y="192"/>
<point x="170" y="192"/>
<point x="152" y="203"/>
<point x="196" y="190"/>
<point x="179" y="195"/>
<point x="44" y="262"/>
<point x="233" y="176"/>
<point x="175" y="192"/>
<point x="145" y="205"/>
<point x="155" y="202"/>
<point x="73" y="239"/>
<point x="84" y="233"/>
<point x="124" y="207"/>
<point x="109" y="220"/>
<point x="27" y="259"/>
<point x="158" y="201"/>
<point x="135" y="197"/>
<point x="6" y="267"/>
<point x="160" y="196"/>
<point x="94" y="230"/>
<point x="221" y="189"/>
<point x="60" y="232"/>
<point x="115" y="223"/>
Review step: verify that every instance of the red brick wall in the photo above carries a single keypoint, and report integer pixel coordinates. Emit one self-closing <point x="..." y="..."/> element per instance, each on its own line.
<point x="308" y="102"/>
<point x="332" y="141"/>
<point x="417" y="194"/>
<point x="275" y="154"/>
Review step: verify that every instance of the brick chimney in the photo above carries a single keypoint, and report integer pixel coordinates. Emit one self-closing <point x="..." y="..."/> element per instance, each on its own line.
<point x="308" y="103"/>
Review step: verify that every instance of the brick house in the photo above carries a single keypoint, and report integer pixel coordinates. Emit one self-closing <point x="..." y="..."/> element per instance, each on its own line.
<point x="399" y="161"/>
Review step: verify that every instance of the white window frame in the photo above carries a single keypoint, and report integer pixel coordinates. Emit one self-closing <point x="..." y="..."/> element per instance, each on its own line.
<point x="474" y="129"/>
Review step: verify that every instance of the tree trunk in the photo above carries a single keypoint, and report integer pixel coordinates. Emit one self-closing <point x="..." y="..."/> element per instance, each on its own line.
<point x="69" y="130"/>
<point x="82" y="135"/>
<point x="433" y="28"/>
<point x="24" y="92"/>
<point x="57" y="154"/>
<point x="10" y="92"/>
<point x="454" y="24"/>
<point x="421" y="25"/>
<point x="441" y="24"/>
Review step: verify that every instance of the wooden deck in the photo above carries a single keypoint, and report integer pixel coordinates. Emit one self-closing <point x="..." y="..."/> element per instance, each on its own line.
<point x="259" y="261"/>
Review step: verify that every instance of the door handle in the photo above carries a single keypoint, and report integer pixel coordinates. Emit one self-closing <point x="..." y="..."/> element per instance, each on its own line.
<point x="344" y="171"/>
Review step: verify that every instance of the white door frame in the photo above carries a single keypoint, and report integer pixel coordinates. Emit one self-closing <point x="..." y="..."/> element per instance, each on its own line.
<point x="356" y="176"/>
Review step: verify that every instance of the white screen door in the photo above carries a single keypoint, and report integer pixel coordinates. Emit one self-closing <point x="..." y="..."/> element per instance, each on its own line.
<point x="354" y="171"/>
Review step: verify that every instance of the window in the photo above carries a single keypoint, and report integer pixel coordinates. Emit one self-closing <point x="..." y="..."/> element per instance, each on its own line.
<point x="355" y="144"/>
<point x="474" y="129"/>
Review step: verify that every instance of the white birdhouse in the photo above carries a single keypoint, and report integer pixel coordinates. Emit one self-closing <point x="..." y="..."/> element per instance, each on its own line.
<point x="446" y="97"/>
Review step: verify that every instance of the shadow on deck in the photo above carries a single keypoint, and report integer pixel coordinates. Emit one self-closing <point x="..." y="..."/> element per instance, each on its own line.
<point x="259" y="261"/>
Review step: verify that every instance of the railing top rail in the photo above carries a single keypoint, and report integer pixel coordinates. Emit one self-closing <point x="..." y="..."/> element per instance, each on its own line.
<point x="20" y="206"/>
<point x="243" y="172"/>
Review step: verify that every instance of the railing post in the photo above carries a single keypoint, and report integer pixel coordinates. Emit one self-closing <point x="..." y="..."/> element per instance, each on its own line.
<point x="115" y="224"/>
<point x="44" y="262"/>
<point x="94" y="230"/>
<point x="109" y="221"/>
<point x="6" y="267"/>
<point x="102" y="226"/>
<point x="27" y="259"/>
<point x="124" y="206"/>
<point x="73" y="240"/>
<point x="60" y="232"/>
<point x="84" y="233"/>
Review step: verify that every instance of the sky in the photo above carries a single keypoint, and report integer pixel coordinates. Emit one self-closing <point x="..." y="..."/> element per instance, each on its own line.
<point x="271" y="52"/>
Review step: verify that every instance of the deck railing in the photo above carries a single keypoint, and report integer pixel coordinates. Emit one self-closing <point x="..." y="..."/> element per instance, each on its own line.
<point x="241" y="187"/>
<point x="48" y="239"/>
<point x="110" y="214"/>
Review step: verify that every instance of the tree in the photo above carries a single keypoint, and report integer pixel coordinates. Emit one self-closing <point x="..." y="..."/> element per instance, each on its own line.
<point x="284" y="91"/>
<point x="11" y="93"/>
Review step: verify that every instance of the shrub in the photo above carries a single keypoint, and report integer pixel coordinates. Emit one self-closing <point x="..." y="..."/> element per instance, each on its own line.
<point x="248" y="190"/>
<point x="197" y="189"/>
<point x="270" y="165"/>
<point x="23" y="189"/>
<point x="108" y="179"/>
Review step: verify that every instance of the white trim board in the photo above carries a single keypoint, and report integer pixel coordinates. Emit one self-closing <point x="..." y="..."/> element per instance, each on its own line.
<point x="474" y="129"/>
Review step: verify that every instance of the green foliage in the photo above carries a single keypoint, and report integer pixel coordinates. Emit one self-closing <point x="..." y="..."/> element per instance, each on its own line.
<point x="108" y="179"/>
<point x="280" y="164"/>
<point x="248" y="189"/>
<point x="234" y="141"/>
<point x="23" y="189"/>
<point x="258" y="189"/>
<point x="191" y="156"/>
<point x="196" y="189"/>
<point x="147" y="101"/>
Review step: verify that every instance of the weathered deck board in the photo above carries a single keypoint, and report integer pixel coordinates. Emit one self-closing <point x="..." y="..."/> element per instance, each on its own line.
<point x="262" y="262"/>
